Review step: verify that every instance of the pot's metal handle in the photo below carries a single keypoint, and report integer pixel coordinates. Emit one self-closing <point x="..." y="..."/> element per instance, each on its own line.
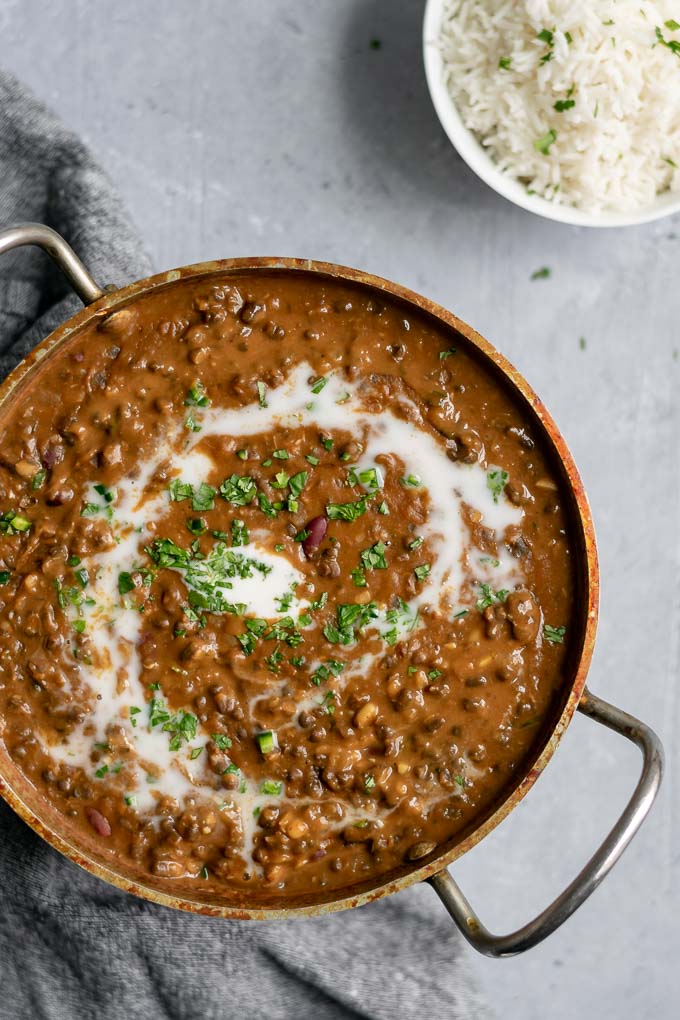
<point x="58" y="250"/>
<point x="599" y="865"/>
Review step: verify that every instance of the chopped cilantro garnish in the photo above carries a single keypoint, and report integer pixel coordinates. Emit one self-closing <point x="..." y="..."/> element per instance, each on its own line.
<point x="238" y="489"/>
<point x="555" y="635"/>
<point x="196" y="396"/>
<point x="543" y="143"/>
<point x="12" y="523"/>
<point x="374" y="557"/>
<point x="125" y="582"/>
<point x="272" y="788"/>
<point x="266" y="506"/>
<point x="280" y="480"/>
<point x="261" y="394"/>
<point x="422" y="571"/>
<point x="197" y="525"/>
<point x="359" y="577"/>
<point x="346" y="511"/>
<point x="443" y="355"/>
<point x="505" y="63"/>
<point x="182" y="726"/>
<point x="191" y="423"/>
<point x="416" y="543"/>
<point x="79" y="626"/>
<point x="221" y="741"/>
<point x="204" y="497"/>
<point x="297" y="483"/>
<point x="274" y="659"/>
<point x="369" y="782"/>
<point x="671" y="44"/>
<point x="180" y="490"/>
<point x="496" y="480"/>
<point x="324" y="672"/>
<point x="369" y="478"/>
<point x="547" y="37"/>
<point x="83" y="577"/>
<point x="207" y="576"/>
<point x="489" y="598"/>
<point x="400" y="618"/>
<point x="102" y="490"/>
<point x="319" y="384"/>
<point x="4" y="576"/>
<point x="284" y="602"/>
<point x="411" y="481"/>
<point x="311" y="459"/>
<point x="195" y="752"/>
<point x="328" y="702"/>
<point x="38" y="479"/>
<point x="239" y="533"/>
<point x="350" y="617"/>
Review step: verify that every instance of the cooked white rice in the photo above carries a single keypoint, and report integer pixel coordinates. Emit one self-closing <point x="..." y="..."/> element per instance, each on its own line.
<point x="508" y="62"/>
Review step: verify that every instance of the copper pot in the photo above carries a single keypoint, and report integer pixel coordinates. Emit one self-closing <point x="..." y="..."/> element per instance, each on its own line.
<point x="32" y="807"/>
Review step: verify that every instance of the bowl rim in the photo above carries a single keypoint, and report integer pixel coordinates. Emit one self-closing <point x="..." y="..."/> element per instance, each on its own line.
<point x="33" y="808"/>
<point x="473" y="154"/>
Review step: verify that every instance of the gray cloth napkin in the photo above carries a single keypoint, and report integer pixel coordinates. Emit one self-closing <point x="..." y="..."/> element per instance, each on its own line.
<point x="71" y="946"/>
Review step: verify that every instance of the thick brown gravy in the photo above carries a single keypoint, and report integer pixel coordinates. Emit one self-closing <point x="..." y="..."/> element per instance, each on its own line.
<point x="286" y="586"/>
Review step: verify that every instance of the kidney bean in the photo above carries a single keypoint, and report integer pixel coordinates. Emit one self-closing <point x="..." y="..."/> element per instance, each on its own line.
<point x="317" y="529"/>
<point x="98" y="822"/>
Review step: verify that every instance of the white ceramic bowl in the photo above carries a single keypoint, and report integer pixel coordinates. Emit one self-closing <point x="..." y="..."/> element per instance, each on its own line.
<point x="478" y="160"/>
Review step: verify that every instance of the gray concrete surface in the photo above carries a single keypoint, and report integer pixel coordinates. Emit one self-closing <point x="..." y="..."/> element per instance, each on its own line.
<point x="273" y="127"/>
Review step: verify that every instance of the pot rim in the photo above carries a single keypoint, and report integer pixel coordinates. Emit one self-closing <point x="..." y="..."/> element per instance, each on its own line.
<point x="582" y="521"/>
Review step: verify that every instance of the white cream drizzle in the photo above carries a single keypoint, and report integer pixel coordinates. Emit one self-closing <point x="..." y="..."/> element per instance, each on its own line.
<point x="114" y="676"/>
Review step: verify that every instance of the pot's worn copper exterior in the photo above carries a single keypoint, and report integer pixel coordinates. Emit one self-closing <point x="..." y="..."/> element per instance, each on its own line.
<point x="26" y="802"/>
